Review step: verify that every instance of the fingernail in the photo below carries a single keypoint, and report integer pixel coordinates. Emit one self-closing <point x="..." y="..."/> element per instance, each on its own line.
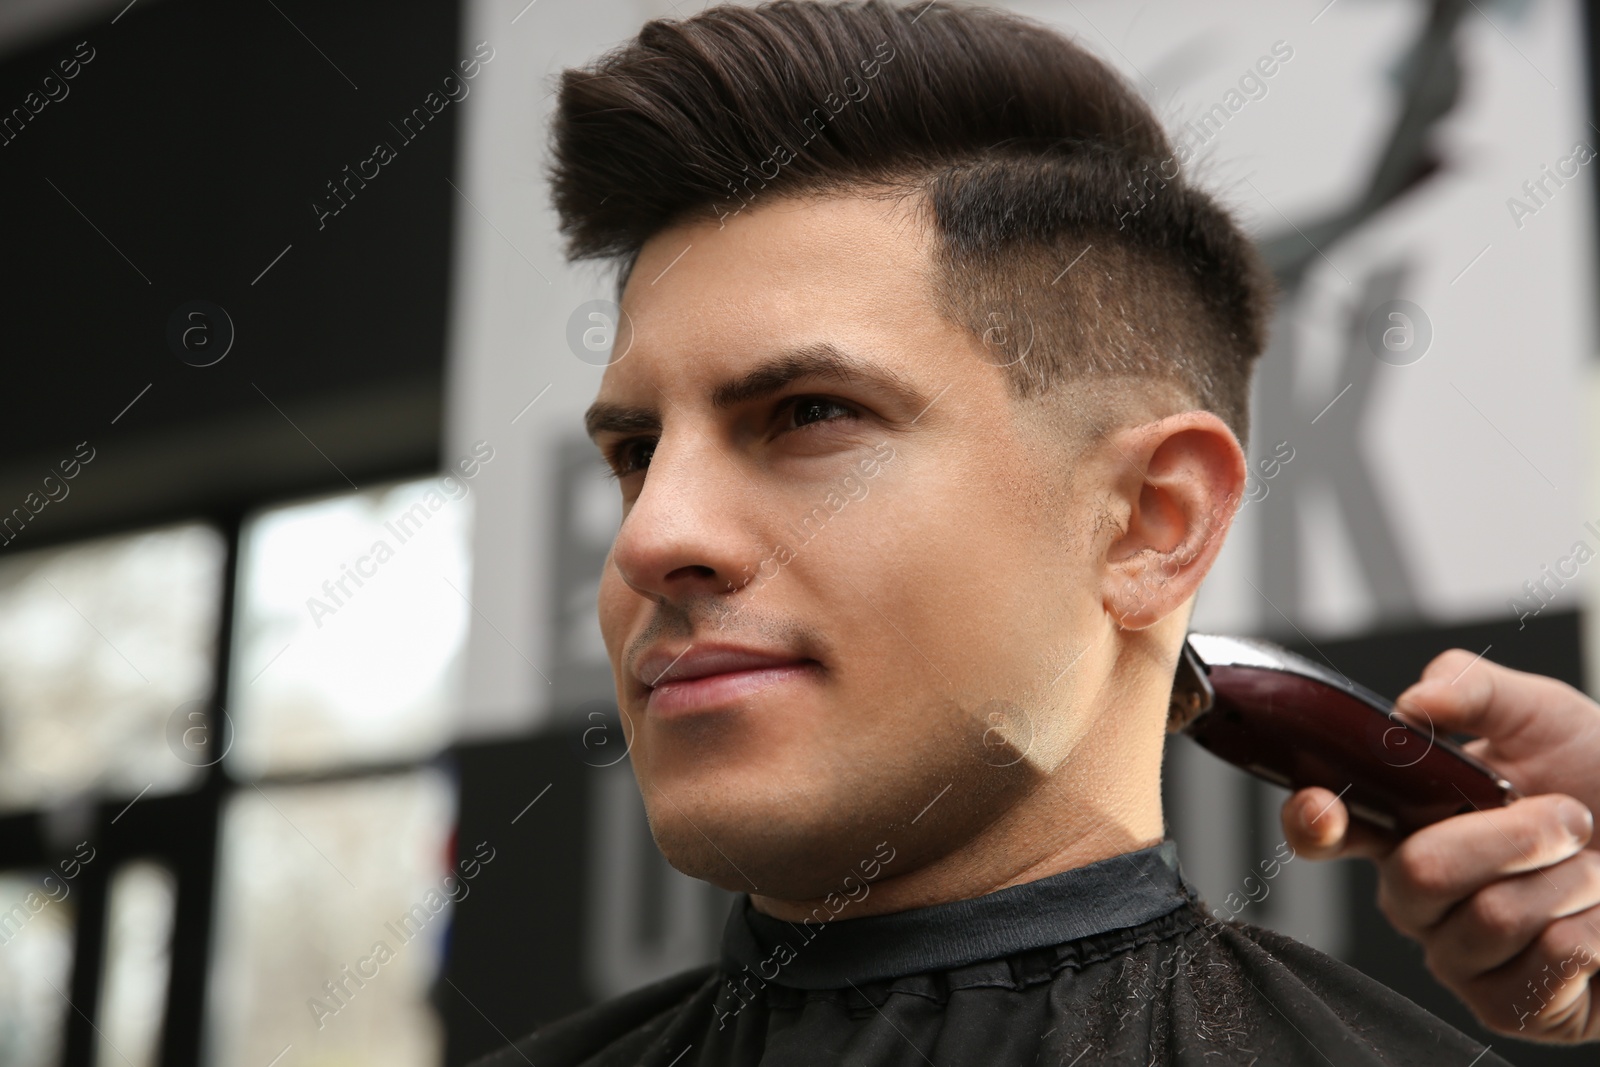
<point x="1578" y="819"/>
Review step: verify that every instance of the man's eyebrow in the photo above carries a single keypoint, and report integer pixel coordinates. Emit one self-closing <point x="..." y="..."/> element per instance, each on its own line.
<point x="820" y="360"/>
<point x="605" y="417"/>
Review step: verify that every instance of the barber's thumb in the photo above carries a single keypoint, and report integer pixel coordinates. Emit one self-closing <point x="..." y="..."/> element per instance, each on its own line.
<point x="1315" y="822"/>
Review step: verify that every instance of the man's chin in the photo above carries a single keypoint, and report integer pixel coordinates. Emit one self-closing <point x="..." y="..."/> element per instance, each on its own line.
<point x="762" y="846"/>
<point x="784" y="810"/>
<point x="806" y="848"/>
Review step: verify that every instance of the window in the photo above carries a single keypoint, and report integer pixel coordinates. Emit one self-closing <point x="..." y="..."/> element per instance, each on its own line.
<point x="213" y="875"/>
<point x="99" y="643"/>
<point x="327" y="937"/>
<point x="351" y="620"/>
<point x="35" y="963"/>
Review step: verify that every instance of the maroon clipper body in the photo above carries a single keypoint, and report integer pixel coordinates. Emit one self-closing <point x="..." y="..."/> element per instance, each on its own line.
<point x="1295" y="723"/>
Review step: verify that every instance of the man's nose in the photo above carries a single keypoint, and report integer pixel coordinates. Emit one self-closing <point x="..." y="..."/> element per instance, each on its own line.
<point x="688" y="533"/>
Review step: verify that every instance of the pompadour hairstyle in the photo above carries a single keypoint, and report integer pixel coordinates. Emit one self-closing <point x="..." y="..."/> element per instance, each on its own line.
<point x="1069" y="239"/>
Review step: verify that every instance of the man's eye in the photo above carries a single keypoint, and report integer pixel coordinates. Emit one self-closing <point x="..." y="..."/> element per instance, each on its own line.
<point x="631" y="457"/>
<point x="813" y="409"/>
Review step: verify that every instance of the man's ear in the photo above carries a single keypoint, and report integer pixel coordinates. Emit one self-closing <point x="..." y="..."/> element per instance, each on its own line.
<point x="1178" y="483"/>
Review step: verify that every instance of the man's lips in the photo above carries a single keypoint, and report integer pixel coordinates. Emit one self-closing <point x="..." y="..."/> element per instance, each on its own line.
<point x="702" y="677"/>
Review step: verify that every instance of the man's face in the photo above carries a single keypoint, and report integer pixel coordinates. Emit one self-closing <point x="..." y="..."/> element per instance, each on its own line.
<point x="852" y="571"/>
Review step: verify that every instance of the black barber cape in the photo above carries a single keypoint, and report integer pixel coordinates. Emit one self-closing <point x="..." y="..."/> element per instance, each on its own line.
<point x="1114" y="963"/>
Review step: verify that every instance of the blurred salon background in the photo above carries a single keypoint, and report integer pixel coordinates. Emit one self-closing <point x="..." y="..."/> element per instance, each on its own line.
<point x="300" y="534"/>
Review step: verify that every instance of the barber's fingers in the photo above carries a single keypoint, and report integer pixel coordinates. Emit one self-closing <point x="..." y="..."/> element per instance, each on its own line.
<point x="1460" y="692"/>
<point x="1317" y="825"/>
<point x="1546" y="993"/>
<point x="1440" y="865"/>
<point x="1497" y="923"/>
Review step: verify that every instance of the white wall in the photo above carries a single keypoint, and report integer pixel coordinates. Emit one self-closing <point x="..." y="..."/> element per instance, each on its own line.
<point x="512" y="298"/>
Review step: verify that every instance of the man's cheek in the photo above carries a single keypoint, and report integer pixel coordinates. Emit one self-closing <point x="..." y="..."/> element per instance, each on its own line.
<point x="615" y="606"/>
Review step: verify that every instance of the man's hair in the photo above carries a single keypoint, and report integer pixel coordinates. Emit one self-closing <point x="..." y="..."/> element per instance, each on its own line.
<point x="1068" y="238"/>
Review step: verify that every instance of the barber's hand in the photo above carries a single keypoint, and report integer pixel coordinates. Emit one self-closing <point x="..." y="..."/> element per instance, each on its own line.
<point x="1505" y="902"/>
